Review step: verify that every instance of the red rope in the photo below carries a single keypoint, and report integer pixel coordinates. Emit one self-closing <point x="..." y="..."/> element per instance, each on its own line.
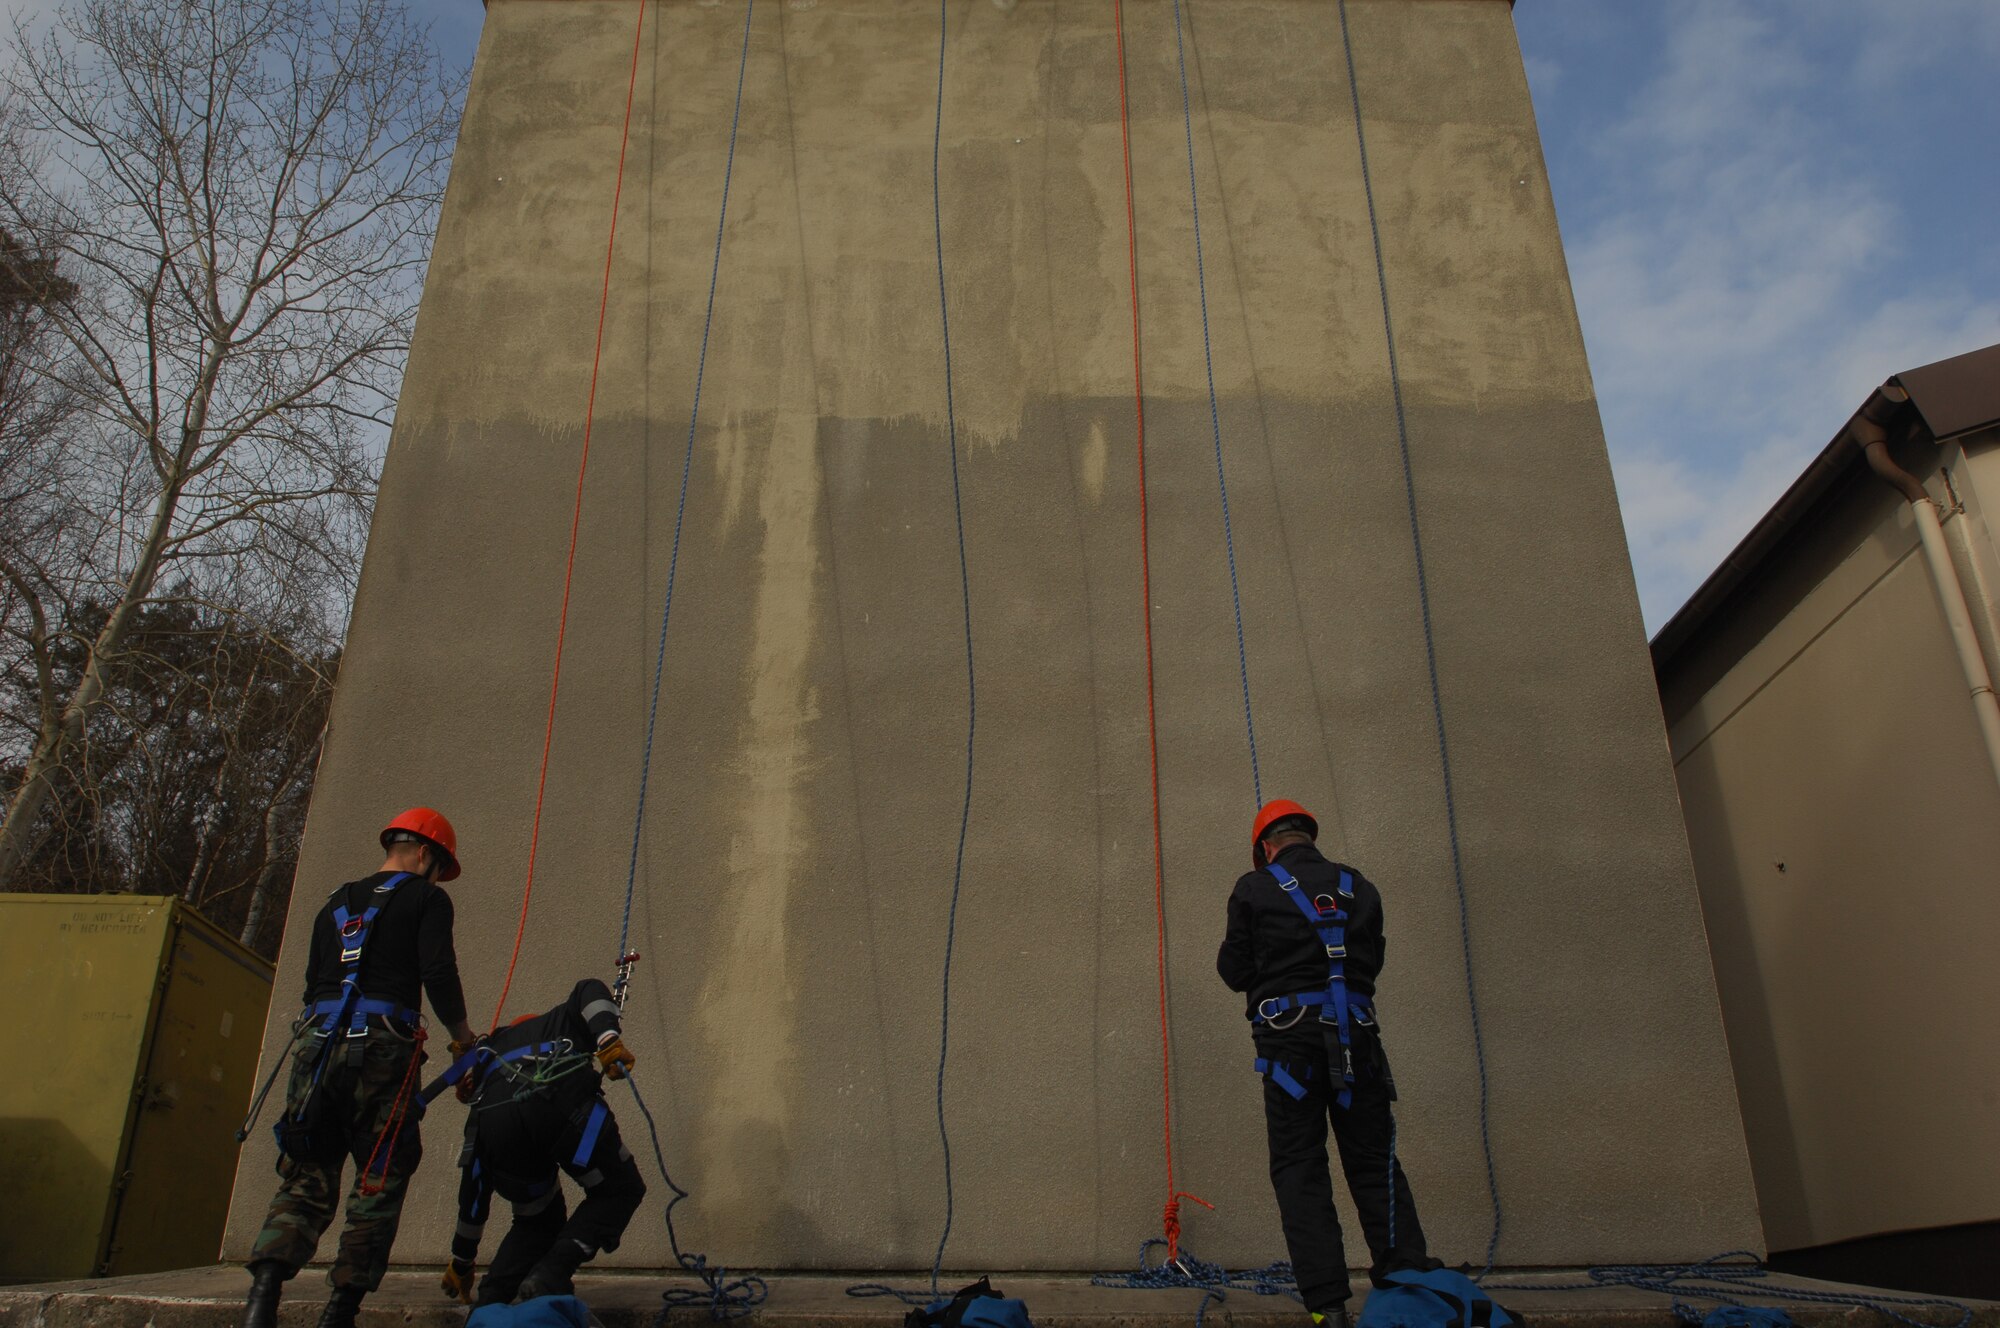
<point x="575" y="523"/>
<point x="1170" y="1224"/>
<point x="392" y="1129"/>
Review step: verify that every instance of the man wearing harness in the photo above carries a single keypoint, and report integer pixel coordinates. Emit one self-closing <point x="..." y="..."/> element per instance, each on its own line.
<point x="537" y="1105"/>
<point x="374" y="944"/>
<point x="1304" y="944"/>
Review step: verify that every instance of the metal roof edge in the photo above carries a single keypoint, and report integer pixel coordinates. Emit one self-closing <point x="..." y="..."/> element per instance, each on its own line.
<point x="1946" y="398"/>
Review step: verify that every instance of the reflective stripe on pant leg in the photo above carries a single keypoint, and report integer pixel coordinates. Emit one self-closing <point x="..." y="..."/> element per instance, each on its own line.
<point x="530" y="1207"/>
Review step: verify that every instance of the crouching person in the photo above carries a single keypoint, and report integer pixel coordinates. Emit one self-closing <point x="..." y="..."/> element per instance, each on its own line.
<point x="537" y="1108"/>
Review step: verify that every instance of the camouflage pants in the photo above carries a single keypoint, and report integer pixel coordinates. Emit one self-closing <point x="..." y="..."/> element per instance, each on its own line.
<point x="359" y="1100"/>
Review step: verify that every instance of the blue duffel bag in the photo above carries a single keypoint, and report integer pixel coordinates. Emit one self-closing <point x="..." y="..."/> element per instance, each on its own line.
<point x="975" y="1306"/>
<point x="541" y="1312"/>
<point x="1436" y="1299"/>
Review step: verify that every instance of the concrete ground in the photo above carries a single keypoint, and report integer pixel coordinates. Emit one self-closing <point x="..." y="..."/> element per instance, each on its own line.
<point x="211" y="1297"/>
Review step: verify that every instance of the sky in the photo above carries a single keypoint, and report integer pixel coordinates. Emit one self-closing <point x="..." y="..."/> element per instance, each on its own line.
<point x="1768" y="207"/>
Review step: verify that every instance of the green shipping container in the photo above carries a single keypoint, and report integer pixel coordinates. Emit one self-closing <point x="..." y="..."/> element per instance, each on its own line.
<point x="130" y="1027"/>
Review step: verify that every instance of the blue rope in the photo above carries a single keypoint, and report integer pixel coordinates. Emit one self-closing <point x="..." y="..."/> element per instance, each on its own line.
<point x="1211" y="1279"/>
<point x="1392" y="1177"/>
<point x="1215" y="414"/>
<point x="971" y="689"/>
<point x="1725" y="1277"/>
<point x="1430" y="653"/>
<point x="680" y="507"/>
<point x="726" y="1297"/>
<point x="875" y="1290"/>
<point x="868" y="1290"/>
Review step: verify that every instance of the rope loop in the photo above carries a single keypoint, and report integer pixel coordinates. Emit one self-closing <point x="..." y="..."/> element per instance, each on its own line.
<point x="392" y="1128"/>
<point x="726" y="1297"/>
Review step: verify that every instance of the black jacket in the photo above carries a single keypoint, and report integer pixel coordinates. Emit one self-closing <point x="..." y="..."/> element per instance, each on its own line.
<point x="1270" y="949"/>
<point x="574" y="1026"/>
<point x="409" y="947"/>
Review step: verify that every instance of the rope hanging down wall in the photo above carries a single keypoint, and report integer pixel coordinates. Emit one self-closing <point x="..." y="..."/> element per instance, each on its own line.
<point x="724" y="1296"/>
<point x="869" y="1289"/>
<point x="575" y="523"/>
<point x="1430" y="647"/>
<point x="1170" y="1222"/>
<point x="1215" y="414"/>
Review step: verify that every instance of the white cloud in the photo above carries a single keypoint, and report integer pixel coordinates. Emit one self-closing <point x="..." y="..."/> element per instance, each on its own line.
<point x="1544" y="75"/>
<point x="1742" y="273"/>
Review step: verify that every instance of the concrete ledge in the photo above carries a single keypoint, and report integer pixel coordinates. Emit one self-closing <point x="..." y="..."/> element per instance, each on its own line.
<point x="213" y="1297"/>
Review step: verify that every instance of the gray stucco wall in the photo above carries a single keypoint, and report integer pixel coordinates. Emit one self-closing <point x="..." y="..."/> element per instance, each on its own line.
<point x="797" y="857"/>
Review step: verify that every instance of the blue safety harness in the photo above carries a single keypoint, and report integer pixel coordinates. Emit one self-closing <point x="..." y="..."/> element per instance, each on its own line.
<point x="349" y="1012"/>
<point x="351" y="1009"/>
<point x="1336" y="1004"/>
<point x="483" y="1056"/>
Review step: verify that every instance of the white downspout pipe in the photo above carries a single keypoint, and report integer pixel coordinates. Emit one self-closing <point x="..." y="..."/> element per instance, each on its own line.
<point x="1874" y="442"/>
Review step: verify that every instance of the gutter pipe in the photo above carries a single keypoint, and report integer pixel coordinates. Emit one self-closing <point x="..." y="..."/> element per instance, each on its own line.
<point x="1869" y="431"/>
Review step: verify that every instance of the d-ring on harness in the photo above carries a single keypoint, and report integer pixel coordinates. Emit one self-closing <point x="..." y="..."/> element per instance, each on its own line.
<point x="1337" y="1005"/>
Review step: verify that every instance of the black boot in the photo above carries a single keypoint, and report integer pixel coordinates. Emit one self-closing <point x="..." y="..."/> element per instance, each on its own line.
<point x="267" y="1280"/>
<point x="555" y="1274"/>
<point x="341" y="1307"/>
<point x="1333" y="1318"/>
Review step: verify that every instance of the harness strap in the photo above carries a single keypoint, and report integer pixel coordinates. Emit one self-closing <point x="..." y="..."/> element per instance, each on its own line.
<point x="472" y="1059"/>
<point x="593" y="1125"/>
<point x="352" y="1009"/>
<point x="1329" y="920"/>
<point x="1281" y="1074"/>
<point x="349" y="1007"/>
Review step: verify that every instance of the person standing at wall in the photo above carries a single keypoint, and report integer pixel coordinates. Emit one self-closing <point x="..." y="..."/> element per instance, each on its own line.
<point x="1304" y="944"/>
<point x="377" y="944"/>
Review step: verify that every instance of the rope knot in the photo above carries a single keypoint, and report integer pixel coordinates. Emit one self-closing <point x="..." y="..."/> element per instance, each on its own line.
<point x="1170" y="1221"/>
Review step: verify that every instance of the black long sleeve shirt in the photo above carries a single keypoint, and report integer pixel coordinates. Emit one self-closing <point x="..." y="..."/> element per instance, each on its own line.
<point x="1269" y="949"/>
<point x="408" y="952"/>
<point x="588" y="1014"/>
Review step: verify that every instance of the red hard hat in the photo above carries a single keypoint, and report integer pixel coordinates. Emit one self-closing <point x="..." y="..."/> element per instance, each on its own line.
<point x="431" y="827"/>
<point x="1270" y="814"/>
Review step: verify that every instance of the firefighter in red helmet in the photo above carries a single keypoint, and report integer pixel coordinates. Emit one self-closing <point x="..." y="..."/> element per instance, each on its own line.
<point x="1304" y="946"/>
<point x="379" y="945"/>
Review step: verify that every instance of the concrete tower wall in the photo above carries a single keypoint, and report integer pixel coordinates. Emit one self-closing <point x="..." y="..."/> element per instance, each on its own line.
<point x="797" y="858"/>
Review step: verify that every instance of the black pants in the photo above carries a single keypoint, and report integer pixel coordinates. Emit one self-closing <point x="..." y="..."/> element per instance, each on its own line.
<point x="521" y="1145"/>
<point x="1364" y="1134"/>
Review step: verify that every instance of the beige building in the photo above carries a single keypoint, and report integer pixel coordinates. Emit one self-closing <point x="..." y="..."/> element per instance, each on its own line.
<point x="1829" y="705"/>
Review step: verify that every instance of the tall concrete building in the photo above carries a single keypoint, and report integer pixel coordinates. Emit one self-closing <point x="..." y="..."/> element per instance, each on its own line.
<point x="796" y="865"/>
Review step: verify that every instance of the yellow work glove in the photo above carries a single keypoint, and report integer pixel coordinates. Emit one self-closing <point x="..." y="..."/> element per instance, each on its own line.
<point x="613" y="1058"/>
<point x="457" y="1280"/>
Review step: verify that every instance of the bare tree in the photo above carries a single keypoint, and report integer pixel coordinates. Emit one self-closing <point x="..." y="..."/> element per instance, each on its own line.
<point x="240" y="196"/>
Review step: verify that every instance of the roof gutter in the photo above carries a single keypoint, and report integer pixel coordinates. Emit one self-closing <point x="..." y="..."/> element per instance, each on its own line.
<point x="1870" y="433"/>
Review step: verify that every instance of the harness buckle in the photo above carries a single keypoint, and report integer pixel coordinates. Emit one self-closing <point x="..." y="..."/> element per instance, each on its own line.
<point x="1326" y="904"/>
<point x="1266" y="1013"/>
<point x="1336" y="952"/>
